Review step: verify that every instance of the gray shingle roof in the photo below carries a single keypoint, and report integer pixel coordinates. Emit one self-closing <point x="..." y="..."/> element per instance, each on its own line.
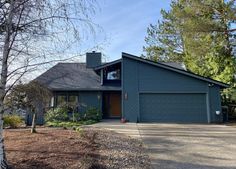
<point x="75" y="76"/>
<point x="72" y="77"/>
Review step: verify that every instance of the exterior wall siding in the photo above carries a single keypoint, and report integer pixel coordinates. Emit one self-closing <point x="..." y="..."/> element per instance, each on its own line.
<point x="215" y="104"/>
<point x="90" y="99"/>
<point x="130" y="90"/>
<point x="86" y="99"/>
<point x="152" y="78"/>
<point x="39" y="119"/>
<point x="139" y="78"/>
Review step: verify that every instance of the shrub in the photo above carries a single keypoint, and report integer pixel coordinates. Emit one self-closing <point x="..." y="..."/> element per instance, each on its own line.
<point x="81" y="131"/>
<point x="63" y="124"/>
<point x="58" y="114"/>
<point x="88" y="122"/>
<point x="64" y="117"/>
<point x="92" y="114"/>
<point x="69" y="124"/>
<point x="12" y="121"/>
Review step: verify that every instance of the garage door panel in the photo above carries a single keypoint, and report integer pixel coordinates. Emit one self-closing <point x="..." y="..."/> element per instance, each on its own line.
<point x="173" y="107"/>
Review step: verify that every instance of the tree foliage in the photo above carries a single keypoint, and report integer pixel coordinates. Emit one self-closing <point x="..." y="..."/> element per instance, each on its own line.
<point x="29" y="95"/>
<point x="32" y="96"/>
<point x="36" y="32"/>
<point x="198" y="33"/>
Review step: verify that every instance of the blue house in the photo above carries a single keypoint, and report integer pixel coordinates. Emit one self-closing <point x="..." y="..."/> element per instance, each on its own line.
<point x="136" y="89"/>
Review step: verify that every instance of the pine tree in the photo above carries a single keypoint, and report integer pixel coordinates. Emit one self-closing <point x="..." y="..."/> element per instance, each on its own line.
<point x="198" y="33"/>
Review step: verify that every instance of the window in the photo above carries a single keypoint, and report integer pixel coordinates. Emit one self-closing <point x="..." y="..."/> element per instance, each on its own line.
<point x="51" y="104"/>
<point x="72" y="100"/>
<point x="61" y="100"/>
<point x="113" y="75"/>
<point x="66" y="100"/>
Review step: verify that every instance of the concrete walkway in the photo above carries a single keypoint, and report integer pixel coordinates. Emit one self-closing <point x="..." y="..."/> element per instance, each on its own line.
<point x="129" y="129"/>
<point x="183" y="146"/>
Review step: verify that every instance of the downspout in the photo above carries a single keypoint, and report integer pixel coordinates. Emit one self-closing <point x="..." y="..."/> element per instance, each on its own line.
<point x="138" y="81"/>
<point x="101" y="76"/>
<point x="122" y="89"/>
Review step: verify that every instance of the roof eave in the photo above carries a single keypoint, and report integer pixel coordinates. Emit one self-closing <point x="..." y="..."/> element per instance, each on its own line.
<point x="82" y="89"/>
<point x="108" y="64"/>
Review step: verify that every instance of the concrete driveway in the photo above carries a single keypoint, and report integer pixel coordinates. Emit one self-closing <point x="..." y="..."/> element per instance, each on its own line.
<point x="183" y="146"/>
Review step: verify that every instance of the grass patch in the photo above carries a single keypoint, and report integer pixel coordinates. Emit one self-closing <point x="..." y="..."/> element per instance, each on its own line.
<point x="67" y="124"/>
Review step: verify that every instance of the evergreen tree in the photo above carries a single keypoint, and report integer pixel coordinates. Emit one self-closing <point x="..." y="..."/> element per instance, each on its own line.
<point x="198" y="33"/>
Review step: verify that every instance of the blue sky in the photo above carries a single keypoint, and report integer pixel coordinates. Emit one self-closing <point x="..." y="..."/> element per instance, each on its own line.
<point x="124" y="24"/>
<point x="122" y="28"/>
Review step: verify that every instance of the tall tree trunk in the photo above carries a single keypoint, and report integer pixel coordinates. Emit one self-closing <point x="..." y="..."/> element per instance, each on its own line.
<point x="33" y="128"/>
<point x="37" y="110"/>
<point x="3" y="82"/>
<point x="2" y="150"/>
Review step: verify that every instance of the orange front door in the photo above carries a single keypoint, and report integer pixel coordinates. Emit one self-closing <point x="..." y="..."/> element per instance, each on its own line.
<point x="115" y="105"/>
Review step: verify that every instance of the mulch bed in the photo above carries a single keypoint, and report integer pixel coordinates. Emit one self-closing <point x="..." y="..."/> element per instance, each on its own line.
<point x="66" y="149"/>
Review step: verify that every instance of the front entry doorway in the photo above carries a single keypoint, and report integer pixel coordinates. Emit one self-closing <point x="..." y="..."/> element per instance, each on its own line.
<point x="112" y="104"/>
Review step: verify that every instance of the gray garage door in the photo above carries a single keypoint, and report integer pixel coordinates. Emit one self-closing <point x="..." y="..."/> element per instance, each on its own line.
<point x="187" y="108"/>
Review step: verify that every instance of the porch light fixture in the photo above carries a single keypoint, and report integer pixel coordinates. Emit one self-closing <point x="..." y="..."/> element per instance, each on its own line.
<point x="126" y="96"/>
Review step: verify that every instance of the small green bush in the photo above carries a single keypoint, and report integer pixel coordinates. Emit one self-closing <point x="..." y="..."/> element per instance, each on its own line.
<point x="81" y="131"/>
<point x="60" y="117"/>
<point x="58" y="114"/>
<point x="62" y="124"/>
<point x="68" y="124"/>
<point x="12" y="121"/>
<point x="92" y="114"/>
<point x="88" y="122"/>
